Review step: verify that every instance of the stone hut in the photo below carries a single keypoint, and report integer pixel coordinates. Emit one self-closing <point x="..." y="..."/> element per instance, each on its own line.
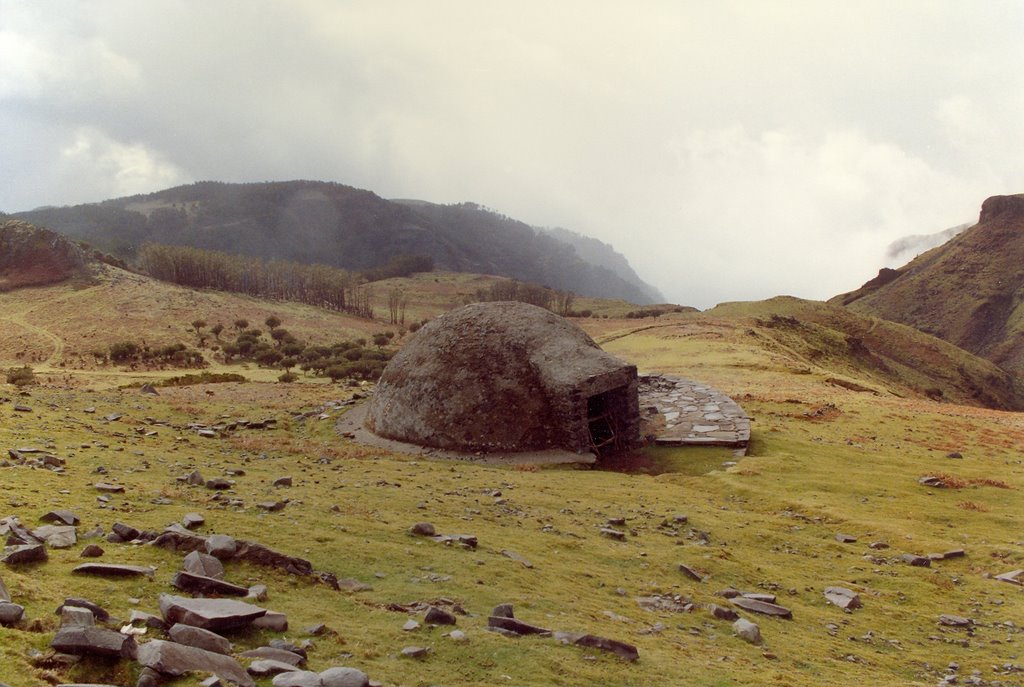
<point x="503" y="377"/>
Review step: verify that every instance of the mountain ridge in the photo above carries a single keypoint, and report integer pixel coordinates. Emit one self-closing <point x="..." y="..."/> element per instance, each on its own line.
<point x="339" y="225"/>
<point x="968" y="291"/>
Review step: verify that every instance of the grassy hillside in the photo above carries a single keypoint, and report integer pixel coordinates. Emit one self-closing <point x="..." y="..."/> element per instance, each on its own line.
<point x="824" y="460"/>
<point x="968" y="291"/>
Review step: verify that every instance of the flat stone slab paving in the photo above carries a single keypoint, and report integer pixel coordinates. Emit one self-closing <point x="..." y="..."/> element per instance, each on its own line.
<point x="695" y="413"/>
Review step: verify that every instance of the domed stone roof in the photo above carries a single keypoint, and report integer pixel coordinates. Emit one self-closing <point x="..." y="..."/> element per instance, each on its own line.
<point x="505" y="376"/>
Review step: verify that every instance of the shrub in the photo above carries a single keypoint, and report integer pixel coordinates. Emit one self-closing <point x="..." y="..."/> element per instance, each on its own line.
<point x="123" y="350"/>
<point x="288" y="377"/>
<point x="21" y="376"/>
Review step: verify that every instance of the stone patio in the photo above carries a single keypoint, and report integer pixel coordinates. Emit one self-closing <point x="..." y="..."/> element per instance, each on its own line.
<point x="695" y="414"/>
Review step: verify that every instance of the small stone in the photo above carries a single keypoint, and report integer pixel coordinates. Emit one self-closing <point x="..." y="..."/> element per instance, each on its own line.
<point x="112" y="570"/>
<point x="690" y="572"/>
<point x="343" y="677"/>
<point x="846" y="538"/>
<point x="76" y="615"/>
<point x="457" y="636"/>
<point x="25" y="553"/>
<point x="723" y="613"/>
<point x="266" y="667"/>
<point x="423" y="529"/>
<point x="204" y="564"/>
<point x="109" y="488"/>
<point x="192" y="520"/>
<point x="411" y="625"/>
<point x="620" y="649"/>
<point x="437" y="616"/>
<point x="273" y="620"/>
<point x="415" y="651"/>
<point x="126" y="532"/>
<point x="283" y="482"/>
<point x="955" y="621"/>
<point x="221" y="546"/>
<point x="92" y="551"/>
<point x="846" y="599"/>
<point x="747" y="631"/>
<point x="272" y="506"/>
<point x="297" y="678"/>
<point x="955" y="455"/>
<point x="762" y="607"/>
<point x="915" y="560"/>
<point x="218" y="483"/>
<point x="1013" y="577"/>
<point x="878" y="545"/>
<point x="10" y="613"/>
<point x="612" y="533"/>
<point x="199" y="638"/>
<point x="64" y="517"/>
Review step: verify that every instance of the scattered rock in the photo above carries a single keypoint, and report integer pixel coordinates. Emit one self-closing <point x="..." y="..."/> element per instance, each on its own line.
<point x="219" y="483"/>
<point x="415" y="651"/>
<point x="126" y="532"/>
<point x="64" y="517"/>
<point x="423" y="529"/>
<point x="93" y="641"/>
<point x="25" y="553"/>
<point x="437" y="616"/>
<point x="747" y="631"/>
<point x="272" y="620"/>
<point x="283" y="482"/>
<point x="722" y="613"/>
<point x="221" y="546"/>
<point x="516" y="557"/>
<point x="516" y="626"/>
<point x="877" y="545"/>
<point x="612" y="533"/>
<point x="947" y="555"/>
<point x="1013" y="577"/>
<point x="932" y="481"/>
<point x="343" y="677"/>
<point x="199" y="638"/>
<point x="109" y="488"/>
<point x="955" y="455"/>
<point x="467" y="541"/>
<point x="57" y="536"/>
<point x="98" y="612"/>
<point x="113" y="570"/>
<point x="298" y="678"/>
<point x="76" y="615"/>
<point x="846" y="599"/>
<point x="272" y="506"/>
<point x="762" y="607"/>
<point x="915" y="560"/>
<point x="216" y="615"/>
<point x="281" y="655"/>
<point x="690" y="572"/>
<point x="92" y="551"/>
<point x="266" y="667"/>
<point x="502" y="611"/>
<point x="192" y="520"/>
<point x="457" y="636"/>
<point x="4" y="594"/>
<point x="10" y="613"/>
<point x="955" y="621"/>
<point x="846" y="538"/>
<point x="204" y="564"/>
<point x="620" y="649"/>
<point x="170" y="658"/>
<point x="200" y="584"/>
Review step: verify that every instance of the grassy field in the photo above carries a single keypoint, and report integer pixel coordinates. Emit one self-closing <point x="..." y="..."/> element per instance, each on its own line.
<point x="824" y="460"/>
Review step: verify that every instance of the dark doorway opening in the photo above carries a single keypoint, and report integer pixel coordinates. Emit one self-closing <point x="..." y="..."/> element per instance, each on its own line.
<point x="604" y="419"/>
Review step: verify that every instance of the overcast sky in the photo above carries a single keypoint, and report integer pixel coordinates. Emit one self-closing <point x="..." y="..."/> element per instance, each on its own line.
<point x="731" y="150"/>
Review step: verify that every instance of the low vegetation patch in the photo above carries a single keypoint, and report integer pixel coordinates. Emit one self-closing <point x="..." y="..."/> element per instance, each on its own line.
<point x="949" y="481"/>
<point x="203" y="378"/>
<point x="21" y="376"/>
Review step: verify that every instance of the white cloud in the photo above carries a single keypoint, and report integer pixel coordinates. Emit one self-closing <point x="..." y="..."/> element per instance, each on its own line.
<point x="107" y="168"/>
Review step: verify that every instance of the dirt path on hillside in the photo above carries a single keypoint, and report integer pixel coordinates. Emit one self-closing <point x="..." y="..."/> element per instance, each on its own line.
<point x="18" y="320"/>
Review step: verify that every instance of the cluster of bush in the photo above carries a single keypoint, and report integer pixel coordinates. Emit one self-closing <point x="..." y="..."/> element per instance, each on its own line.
<point x="342" y="360"/>
<point x="21" y="376"/>
<point x="130" y="352"/>
<point x="652" y="312"/>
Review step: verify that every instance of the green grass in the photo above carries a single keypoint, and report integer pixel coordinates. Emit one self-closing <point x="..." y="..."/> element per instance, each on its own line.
<point x="770" y="520"/>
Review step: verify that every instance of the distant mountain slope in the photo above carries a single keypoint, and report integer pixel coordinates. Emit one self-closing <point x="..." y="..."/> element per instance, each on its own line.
<point x="603" y="255"/>
<point x="312" y="221"/>
<point x="968" y="291"/>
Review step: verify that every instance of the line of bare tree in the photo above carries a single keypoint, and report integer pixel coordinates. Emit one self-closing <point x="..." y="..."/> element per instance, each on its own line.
<point x="319" y="285"/>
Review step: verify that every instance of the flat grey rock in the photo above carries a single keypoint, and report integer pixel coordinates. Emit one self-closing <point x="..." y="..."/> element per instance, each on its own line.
<point x="60" y="516"/>
<point x="846" y="599"/>
<point x="199" y="638"/>
<point x="343" y="677"/>
<point x="268" y="666"/>
<point x="4" y="594"/>
<point x="190" y="521"/>
<point x="93" y="641"/>
<point x="516" y="626"/>
<point x="272" y="620"/>
<point x="98" y="612"/>
<point x="1013" y="577"/>
<point x="216" y="615"/>
<point x="614" y="646"/>
<point x="76" y="615"/>
<point x="298" y="678"/>
<point x="282" y="655"/>
<point x="113" y="570"/>
<point x="199" y="563"/>
<point x="109" y="488"/>
<point x="174" y="659"/>
<point x="762" y="607"/>
<point x="200" y="584"/>
<point x="25" y="553"/>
